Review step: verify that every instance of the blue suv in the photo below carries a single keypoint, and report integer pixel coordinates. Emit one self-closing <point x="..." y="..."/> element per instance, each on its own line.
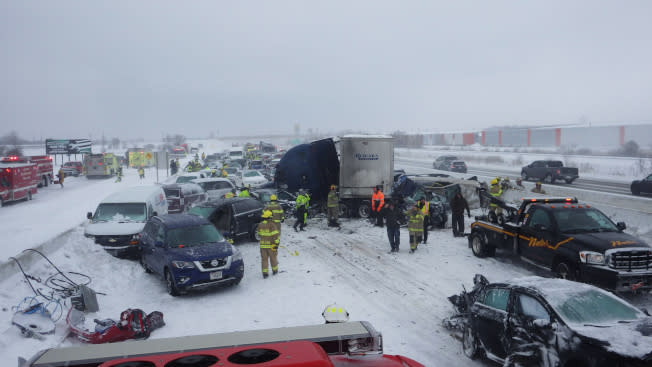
<point x="189" y="253"/>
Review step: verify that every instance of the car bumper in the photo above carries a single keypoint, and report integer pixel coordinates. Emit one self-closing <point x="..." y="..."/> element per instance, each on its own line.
<point x="194" y="279"/>
<point x="118" y="246"/>
<point x="620" y="281"/>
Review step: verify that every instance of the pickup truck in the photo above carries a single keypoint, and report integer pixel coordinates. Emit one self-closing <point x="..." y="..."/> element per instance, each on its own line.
<point x="549" y="171"/>
<point x="572" y="240"/>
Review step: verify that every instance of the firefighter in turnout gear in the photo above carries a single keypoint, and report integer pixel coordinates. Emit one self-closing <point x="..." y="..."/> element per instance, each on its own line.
<point x="302" y="203"/>
<point x="495" y="191"/>
<point x="141" y="172"/>
<point x="61" y="176"/>
<point x="415" y="226"/>
<point x="333" y="207"/>
<point x="244" y="193"/>
<point x="230" y="194"/>
<point x="537" y="189"/>
<point x="425" y="209"/>
<point x="277" y="212"/>
<point x="269" y="242"/>
<point x="377" y="203"/>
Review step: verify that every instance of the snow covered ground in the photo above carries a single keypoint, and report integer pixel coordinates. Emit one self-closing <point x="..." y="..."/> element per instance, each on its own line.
<point x="403" y="295"/>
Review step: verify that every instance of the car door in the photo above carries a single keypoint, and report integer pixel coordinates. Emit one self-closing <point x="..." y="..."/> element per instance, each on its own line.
<point x="529" y="327"/>
<point x="149" y="251"/>
<point x="537" y="170"/>
<point x="489" y="315"/>
<point x="537" y="238"/>
<point x="246" y="215"/>
<point x="159" y="250"/>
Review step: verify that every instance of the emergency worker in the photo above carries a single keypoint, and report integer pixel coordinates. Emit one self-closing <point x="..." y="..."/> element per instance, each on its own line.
<point x="119" y="174"/>
<point x="377" y="202"/>
<point x="61" y="176"/>
<point x="269" y="242"/>
<point x="415" y="226"/>
<point x="393" y="217"/>
<point x="141" y="172"/>
<point x="537" y="189"/>
<point x="302" y="202"/>
<point x="458" y="204"/>
<point x="173" y="167"/>
<point x="230" y="194"/>
<point x="244" y="193"/>
<point x="277" y="212"/>
<point x="203" y="156"/>
<point x="496" y="192"/>
<point x="333" y="207"/>
<point x="425" y="210"/>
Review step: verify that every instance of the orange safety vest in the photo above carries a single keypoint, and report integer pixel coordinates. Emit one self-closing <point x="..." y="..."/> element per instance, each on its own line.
<point x="380" y="197"/>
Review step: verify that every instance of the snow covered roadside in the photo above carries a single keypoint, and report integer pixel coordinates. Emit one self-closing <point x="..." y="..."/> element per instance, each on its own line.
<point x="617" y="169"/>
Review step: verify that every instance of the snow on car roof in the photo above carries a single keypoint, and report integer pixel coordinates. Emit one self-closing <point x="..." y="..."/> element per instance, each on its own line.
<point x="355" y="136"/>
<point x="133" y="194"/>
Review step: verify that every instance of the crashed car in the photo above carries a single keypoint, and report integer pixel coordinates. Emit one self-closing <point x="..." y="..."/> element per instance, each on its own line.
<point x="536" y="321"/>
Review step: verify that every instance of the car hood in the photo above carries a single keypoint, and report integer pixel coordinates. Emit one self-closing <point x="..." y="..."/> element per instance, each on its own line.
<point x="200" y="253"/>
<point x="602" y="241"/>
<point x="113" y="228"/>
<point x="628" y="339"/>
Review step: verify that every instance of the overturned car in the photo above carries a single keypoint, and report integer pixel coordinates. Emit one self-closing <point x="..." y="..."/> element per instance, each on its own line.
<point x="536" y="321"/>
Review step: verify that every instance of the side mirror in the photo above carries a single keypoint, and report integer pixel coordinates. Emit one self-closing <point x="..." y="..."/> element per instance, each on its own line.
<point x="89" y="215"/>
<point x="621" y="226"/>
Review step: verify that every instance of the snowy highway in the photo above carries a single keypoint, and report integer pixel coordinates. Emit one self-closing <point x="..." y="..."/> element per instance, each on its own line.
<point x="403" y="295"/>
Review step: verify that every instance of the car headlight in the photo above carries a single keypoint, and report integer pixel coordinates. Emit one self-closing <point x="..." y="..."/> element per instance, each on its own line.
<point x="590" y="257"/>
<point x="183" y="264"/>
<point x="237" y="255"/>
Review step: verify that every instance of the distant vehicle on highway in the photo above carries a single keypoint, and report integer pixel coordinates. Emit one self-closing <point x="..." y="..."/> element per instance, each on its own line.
<point x="72" y="168"/>
<point x="457" y="166"/>
<point x="549" y="171"/>
<point x="643" y="186"/>
<point x="443" y="162"/>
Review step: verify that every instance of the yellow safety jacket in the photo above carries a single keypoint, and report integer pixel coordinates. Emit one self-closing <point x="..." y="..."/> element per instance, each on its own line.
<point x="277" y="211"/>
<point x="415" y="221"/>
<point x="333" y="201"/>
<point x="426" y="209"/>
<point x="496" y="192"/>
<point x="269" y="236"/>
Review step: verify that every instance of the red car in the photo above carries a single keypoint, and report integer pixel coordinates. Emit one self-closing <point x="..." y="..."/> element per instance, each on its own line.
<point x="72" y="168"/>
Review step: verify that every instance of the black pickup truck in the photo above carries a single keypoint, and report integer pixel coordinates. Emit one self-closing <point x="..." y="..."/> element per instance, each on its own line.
<point x="549" y="171"/>
<point x="574" y="241"/>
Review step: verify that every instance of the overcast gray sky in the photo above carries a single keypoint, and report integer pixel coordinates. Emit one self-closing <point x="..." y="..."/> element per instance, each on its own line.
<point x="70" y="69"/>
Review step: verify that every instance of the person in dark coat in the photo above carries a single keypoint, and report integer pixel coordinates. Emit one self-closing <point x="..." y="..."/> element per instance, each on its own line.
<point x="458" y="204"/>
<point x="392" y="215"/>
<point x="173" y="167"/>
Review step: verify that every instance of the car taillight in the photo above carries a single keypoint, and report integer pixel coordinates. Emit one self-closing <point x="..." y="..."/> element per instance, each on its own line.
<point x="558" y="171"/>
<point x="99" y="163"/>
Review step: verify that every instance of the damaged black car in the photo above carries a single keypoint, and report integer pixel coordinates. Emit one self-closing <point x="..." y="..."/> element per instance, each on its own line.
<point x="536" y="321"/>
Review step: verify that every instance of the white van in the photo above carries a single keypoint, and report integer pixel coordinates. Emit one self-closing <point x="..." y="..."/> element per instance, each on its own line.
<point x="236" y="152"/>
<point x="121" y="216"/>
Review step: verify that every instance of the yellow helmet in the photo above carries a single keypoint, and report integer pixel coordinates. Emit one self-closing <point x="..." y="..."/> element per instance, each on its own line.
<point x="272" y="197"/>
<point x="333" y="187"/>
<point x="494" y="181"/>
<point x="266" y="214"/>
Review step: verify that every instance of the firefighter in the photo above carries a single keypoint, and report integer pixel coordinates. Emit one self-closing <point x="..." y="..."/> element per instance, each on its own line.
<point x="496" y="192"/>
<point x="415" y="226"/>
<point x="537" y="189"/>
<point x="377" y="202"/>
<point x="61" y="176"/>
<point x="333" y="207"/>
<point x="302" y="203"/>
<point x="203" y="156"/>
<point x="119" y="175"/>
<point x="141" y="172"/>
<point x="458" y="204"/>
<point x="425" y="209"/>
<point x="244" y="193"/>
<point x="277" y="212"/>
<point x="269" y="242"/>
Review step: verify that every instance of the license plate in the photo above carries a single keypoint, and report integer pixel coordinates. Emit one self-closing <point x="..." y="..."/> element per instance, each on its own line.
<point x="216" y="275"/>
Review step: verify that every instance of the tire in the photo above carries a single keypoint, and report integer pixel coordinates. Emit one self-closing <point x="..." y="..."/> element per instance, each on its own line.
<point x="469" y="343"/>
<point x="29" y="195"/>
<point x="343" y="211"/>
<point x="549" y="179"/>
<point x="169" y="282"/>
<point x="569" y="181"/>
<point x="254" y="233"/>
<point x="364" y="210"/>
<point x="142" y="263"/>
<point x="524" y="176"/>
<point x="478" y="245"/>
<point x="565" y="270"/>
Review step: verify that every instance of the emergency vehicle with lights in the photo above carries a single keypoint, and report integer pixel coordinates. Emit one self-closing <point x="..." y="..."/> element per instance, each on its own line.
<point x="44" y="166"/>
<point x="574" y="241"/>
<point x="100" y="165"/>
<point x="339" y="344"/>
<point x="18" y="181"/>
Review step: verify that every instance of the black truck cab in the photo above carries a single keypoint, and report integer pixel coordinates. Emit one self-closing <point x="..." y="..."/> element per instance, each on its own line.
<point x="575" y="241"/>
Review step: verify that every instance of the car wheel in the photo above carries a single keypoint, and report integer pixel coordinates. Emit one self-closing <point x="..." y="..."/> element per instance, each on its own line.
<point x="142" y="263"/>
<point x="343" y="211"/>
<point x="469" y="343"/>
<point x="564" y="270"/>
<point x="254" y="233"/>
<point x="364" y="210"/>
<point x="569" y="181"/>
<point x="169" y="282"/>
<point x="524" y="175"/>
<point x="29" y="195"/>
<point x="478" y="245"/>
<point x="549" y="179"/>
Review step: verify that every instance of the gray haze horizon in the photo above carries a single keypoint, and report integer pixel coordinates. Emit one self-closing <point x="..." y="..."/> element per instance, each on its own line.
<point x="83" y="69"/>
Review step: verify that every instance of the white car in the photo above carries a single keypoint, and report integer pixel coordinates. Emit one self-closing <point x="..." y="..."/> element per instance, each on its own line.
<point x="186" y="177"/>
<point x="253" y="178"/>
<point x="234" y="174"/>
<point x="215" y="187"/>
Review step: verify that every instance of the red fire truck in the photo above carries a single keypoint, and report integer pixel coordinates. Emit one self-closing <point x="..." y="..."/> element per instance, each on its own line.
<point x="44" y="166"/>
<point x="17" y="181"/>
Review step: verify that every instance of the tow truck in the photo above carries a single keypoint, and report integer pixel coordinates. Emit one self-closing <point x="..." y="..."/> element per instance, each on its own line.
<point x="344" y="344"/>
<point x="572" y="240"/>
